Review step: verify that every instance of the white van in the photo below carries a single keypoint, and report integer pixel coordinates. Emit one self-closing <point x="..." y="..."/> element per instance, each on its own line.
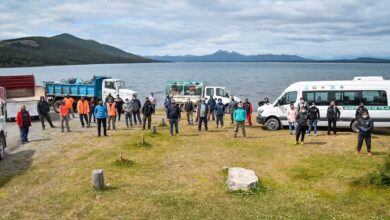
<point x="373" y="91"/>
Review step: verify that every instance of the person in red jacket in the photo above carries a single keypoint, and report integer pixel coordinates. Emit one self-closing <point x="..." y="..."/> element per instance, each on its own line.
<point x="248" y="108"/>
<point x="23" y="120"/>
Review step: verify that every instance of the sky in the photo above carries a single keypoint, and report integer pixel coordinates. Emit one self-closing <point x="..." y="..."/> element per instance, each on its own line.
<point x="309" y="28"/>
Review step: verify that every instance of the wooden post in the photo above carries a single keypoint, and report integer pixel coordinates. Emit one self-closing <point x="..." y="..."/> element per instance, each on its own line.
<point x="163" y="122"/>
<point x="143" y="139"/>
<point x="98" y="179"/>
<point x="154" y="130"/>
<point x="120" y="157"/>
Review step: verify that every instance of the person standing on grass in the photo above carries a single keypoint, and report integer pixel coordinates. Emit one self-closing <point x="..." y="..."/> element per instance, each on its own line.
<point x="147" y="111"/>
<point x="291" y="118"/>
<point x="365" y="125"/>
<point x="202" y="113"/>
<point x="23" y="120"/>
<point x="101" y="116"/>
<point x="135" y="109"/>
<point x="128" y="115"/>
<point x="302" y="103"/>
<point x="167" y="102"/>
<point x="211" y="105"/>
<point x="111" y="109"/>
<point x="219" y="110"/>
<point x="64" y="116"/>
<point x="302" y="121"/>
<point x="43" y="111"/>
<point x="174" y="115"/>
<point x="333" y="115"/>
<point x="360" y="110"/>
<point x="240" y="116"/>
<point x="189" y="108"/>
<point x="118" y="103"/>
<point x="153" y="100"/>
<point x="92" y="105"/>
<point x="314" y="116"/>
<point x="69" y="103"/>
<point x="232" y="106"/>
<point x="83" y="110"/>
<point x="248" y="108"/>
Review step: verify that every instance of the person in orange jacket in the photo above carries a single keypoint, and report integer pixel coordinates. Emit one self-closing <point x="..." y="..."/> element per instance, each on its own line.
<point x="111" y="109"/>
<point x="248" y="108"/>
<point x="83" y="110"/>
<point x="23" y="120"/>
<point x="69" y="103"/>
<point x="64" y="115"/>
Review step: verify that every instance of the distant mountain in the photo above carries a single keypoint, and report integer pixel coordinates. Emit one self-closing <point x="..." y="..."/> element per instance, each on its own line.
<point x="63" y="49"/>
<point x="226" y="56"/>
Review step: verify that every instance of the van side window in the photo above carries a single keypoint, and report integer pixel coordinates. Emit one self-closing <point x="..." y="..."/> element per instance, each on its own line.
<point x="322" y="98"/>
<point x="351" y="98"/>
<point x="209" y="92"/>
<point x="338" y="98"/>
<point x="221" y="92"/>
<point x="288" y="98"/>
<point x="374" y="98"/>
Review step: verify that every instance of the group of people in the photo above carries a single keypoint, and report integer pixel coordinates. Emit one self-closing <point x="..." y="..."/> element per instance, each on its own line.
<point x="304" y="119"/>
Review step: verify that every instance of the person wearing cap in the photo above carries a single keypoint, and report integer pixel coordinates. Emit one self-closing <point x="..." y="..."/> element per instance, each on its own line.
<point x="23" y="120"/>
<point x="202" y="113"/>
<point x="211" y="105"/>
<point x="64" y="116"/>
<point x="153" y="100"/>
<point x="365" y="125"/>
<point x="147" y="111"/>
<point x="219" y="110"/>
<point x="128" y="115"/>
<point x="291" y="117"/>
<point x="360" y="110"/>
<point x="332" y="115"/>
<point x="43" y="109"/>
<point x="314" y="116"/>
<point x="135" y="109"/>
<point x="232" y="106"/>
<point x="189" y="108"/>
<point x="248" y="108"/>
<point x="83" y="110"/>
<point x="239" y="118"/>
<point x="69" y="103"/>
<point x="174" y="115"/>
<point x="118" y="104"/>
<point x="101" y="116"/>
<point x="302" y="121"/>
<point x="111" y="109"/>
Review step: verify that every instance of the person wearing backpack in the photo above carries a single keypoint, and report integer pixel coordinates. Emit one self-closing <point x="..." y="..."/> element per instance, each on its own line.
<point x="302" y="121"/>
<point x="135" y="109"/>
<point x="219" y="110"/>
<point x="174" y="115"/>
<point x="147" y="111"/>
<point x="189" y="108"/>
<point x="302" y="103"/>
<point x="314" y="116"/>
<point x="333" y="115"/>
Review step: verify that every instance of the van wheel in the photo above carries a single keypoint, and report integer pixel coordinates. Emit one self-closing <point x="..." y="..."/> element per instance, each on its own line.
<point x="272" y="124"/>
<point x="2" y="147"/>
<point x="56" y="106"/>
<point x="354" y="127"/>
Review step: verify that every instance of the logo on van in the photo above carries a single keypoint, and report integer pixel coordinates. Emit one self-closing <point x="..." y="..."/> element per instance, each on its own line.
<point x="380" y="108"/>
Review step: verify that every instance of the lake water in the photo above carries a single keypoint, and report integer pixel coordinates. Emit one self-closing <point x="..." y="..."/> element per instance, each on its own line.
<point x="252" y="80"/>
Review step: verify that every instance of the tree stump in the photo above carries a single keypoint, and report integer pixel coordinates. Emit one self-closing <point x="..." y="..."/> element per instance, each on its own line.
<point x="154" y="130"/>
<point x="163" y="122"/>
<point x="98" y="179"/>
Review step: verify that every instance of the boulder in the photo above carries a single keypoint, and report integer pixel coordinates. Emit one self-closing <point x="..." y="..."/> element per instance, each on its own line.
<point x="241" y="179"/>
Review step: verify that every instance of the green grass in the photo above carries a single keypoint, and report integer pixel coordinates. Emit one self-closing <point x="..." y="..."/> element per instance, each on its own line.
<point x="182" y="177"/>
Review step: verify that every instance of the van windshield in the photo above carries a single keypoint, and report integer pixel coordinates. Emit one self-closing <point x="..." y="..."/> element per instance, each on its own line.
<point x="120" y="84"/>
<point x="288" y="98"/>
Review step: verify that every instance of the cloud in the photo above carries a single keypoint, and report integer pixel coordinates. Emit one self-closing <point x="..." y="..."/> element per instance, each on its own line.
<point x="305" y="27"/>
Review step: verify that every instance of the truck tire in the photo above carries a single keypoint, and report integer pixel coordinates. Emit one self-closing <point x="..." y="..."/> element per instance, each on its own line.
<point x="272" y="124"/>
<point x="56" y="106"/>
<point x="2" y="146"/>
<point x="354" y="127"/>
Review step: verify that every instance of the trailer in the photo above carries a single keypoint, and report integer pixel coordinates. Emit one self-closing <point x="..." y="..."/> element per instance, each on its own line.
<point x="20" y="90"/>
<point x="98" y="88"/>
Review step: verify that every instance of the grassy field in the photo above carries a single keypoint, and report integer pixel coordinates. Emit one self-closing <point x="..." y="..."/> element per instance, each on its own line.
<point x="182" y="177"/>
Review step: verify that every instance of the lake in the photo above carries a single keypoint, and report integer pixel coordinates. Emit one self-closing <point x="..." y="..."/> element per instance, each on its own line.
<point x="246" y="80"/>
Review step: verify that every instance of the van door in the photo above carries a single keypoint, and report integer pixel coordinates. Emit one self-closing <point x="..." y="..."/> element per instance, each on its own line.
<point x="209" y="91"/>
<point x="109" y="87"/>
<point x="221" y="93"/>
<point x="284" y="105"/>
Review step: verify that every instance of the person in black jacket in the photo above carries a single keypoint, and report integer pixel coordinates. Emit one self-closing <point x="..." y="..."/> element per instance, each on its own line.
<point x="365" y="126"/>
<point x="302" y="120"/>
<point x="43" y="111"/>
<point x="174" y="115"/>
<point x="189" y="108"/>
<point x="360" y="110"/>
<point x="147" y="111"/>
<point x="135" y="109"/>
<point x="333" y="115"/>
<point x="211" y="104"/>
<point x="314" y="116"/>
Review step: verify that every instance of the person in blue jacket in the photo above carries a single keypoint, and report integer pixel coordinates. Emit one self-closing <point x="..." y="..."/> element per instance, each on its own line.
<point x="239" y="117"/>
<point x="101" y="116"/>
<point x="174" y="115"/>
<point x="219" y="110"/>
<point x="211" y="103"/>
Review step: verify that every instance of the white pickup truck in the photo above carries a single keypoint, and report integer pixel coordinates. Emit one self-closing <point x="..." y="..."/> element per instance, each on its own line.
<point x="180" y="91"/>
